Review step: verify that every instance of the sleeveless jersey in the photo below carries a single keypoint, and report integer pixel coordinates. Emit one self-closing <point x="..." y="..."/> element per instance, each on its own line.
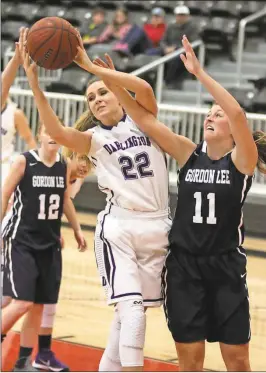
<point x="38" y="204"/>
<point x="211" y="194"/>
<point x="8" y="131"/>
<point x="130" y="168"/>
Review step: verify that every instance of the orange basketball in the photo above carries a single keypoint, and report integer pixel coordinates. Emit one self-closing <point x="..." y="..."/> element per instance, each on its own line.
<point x="52" y="43"/>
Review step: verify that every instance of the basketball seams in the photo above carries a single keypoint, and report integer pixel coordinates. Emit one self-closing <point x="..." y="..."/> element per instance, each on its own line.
<point x="49" y="27"/>
<point x="59" y="45"/>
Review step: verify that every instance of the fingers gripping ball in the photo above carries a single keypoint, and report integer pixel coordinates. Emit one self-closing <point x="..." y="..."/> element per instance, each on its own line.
<point x="52" y="43"/>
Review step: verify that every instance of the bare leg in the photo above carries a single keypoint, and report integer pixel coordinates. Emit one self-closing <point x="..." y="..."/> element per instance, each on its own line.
<point x="236" y="357"/>
<point x="31" y="326"/>
<point x="191" y="356"/>
<point x="13" y="312"/>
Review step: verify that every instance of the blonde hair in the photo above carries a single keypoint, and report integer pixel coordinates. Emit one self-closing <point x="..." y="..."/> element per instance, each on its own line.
<point x="86" y="121"/>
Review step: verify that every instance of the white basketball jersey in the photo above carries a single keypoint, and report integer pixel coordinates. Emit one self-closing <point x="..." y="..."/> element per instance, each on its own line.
<point x="130" y="168"/>
<point x="8" y="131"/>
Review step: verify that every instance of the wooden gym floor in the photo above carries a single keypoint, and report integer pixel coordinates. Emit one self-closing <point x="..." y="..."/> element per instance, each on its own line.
<point x="84" y="318"/>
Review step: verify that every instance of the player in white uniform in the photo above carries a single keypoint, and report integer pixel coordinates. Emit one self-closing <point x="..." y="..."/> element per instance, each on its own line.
<point x="13" y="120"/>
<point x="132" y="232"/>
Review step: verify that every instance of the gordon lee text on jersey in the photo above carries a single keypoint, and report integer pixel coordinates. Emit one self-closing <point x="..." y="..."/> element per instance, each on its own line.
<point x="48" y="181"/>
<point x="208" y="176"/>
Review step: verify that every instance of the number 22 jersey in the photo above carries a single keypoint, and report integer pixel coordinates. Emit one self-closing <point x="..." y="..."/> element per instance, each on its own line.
<point x="209" y="218"/>
<point x="38" y="204"/>
<point x="130" y="168"/>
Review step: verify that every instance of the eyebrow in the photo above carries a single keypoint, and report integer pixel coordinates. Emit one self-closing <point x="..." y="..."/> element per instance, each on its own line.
<point x="98" y="90"/>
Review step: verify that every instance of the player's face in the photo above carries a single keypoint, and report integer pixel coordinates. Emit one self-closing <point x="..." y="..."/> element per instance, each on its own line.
<point x="80" y="167"/>
<point x="102" y="102"/>
<point x="47" y="142"/>
<point x="216" y="125"/>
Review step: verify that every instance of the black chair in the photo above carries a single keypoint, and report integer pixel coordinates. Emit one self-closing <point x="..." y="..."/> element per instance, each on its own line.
<point x="78" y="16"/>
<point x="8" y="9"/>
<point x="10" y="29"/>
<point x="28" y="11"/>
<point x="250" y="7"/>
<point x="218" y="35"/>
<point x="259" y="104"/>
<point x="195" y="7"/>
<point x="50" y="11"/>
<point x="108" y="4"/>
<point x="225" y="9"/>
<point x="73" y="81"/>
<point x="245" y="97"/>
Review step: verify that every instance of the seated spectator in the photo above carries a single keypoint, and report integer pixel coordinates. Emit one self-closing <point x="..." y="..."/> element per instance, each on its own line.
<point x="95" y="27"/>
<point x="156" y="28"/>
<point x="118" y="29"/>
<point x="172" y="41"/>
<point x="112" y="34"/>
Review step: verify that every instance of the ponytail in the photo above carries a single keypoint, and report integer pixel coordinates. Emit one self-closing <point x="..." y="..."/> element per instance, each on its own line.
<point x="260" y="141"/>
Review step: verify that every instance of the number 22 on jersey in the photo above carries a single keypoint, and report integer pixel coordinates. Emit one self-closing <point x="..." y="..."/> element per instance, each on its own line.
<point x="198" y="218"/>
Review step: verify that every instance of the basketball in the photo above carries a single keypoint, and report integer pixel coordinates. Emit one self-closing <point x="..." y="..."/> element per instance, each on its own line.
<point x="52" y="43"/>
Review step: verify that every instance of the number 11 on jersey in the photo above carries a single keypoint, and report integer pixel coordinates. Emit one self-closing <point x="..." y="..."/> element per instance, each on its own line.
<point x="197" y="218"/>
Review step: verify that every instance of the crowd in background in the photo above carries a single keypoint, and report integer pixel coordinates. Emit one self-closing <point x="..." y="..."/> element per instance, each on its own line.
<point x="156" y="37"/>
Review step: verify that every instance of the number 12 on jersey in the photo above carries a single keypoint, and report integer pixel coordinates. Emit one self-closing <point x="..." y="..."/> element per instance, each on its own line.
<point x="197" y="218"/>
<point x="54" y="203"/>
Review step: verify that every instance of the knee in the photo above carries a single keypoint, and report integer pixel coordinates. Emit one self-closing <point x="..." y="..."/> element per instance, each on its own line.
<point x="22" y="306"/>
<point x="132" y="335"/>
<point x="239" y="363"/>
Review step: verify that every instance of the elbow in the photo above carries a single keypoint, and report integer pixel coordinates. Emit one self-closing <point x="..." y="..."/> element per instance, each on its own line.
<point x="146" y="87"/>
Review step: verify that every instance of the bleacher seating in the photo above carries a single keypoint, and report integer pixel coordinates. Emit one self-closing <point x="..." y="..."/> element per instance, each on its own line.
<point x="217" y="21"/>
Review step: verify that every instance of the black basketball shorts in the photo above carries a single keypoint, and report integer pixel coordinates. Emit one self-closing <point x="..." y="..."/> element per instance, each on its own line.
<point x="31" y="275"/>
<point x="206" y="298"/>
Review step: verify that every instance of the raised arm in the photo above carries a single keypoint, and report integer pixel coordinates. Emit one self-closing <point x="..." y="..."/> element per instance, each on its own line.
<point x="179" y="147"/>
<point x="16" y="173"/>
<point x="69" y="137"/>
<point x="9" y="75"/>
<point x="143" y="92"/>
<point x="245" y="154"/>
<point x="23" y="128"/>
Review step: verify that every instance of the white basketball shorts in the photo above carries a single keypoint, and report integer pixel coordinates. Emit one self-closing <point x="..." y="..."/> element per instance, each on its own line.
<point x="130" y="249"/>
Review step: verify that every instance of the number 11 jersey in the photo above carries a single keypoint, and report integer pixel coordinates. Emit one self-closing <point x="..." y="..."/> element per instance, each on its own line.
<point x="38" y="204"/>
<point x="130" y="168"/>
<point x="211" y="193"/>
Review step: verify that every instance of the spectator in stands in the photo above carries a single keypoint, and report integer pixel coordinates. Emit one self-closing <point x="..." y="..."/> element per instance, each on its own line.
<point x="95" y="27"/>
<point x="172" y="41"/>
<point x="157" y="26"/>
<point x="118" y="29"/>
<point x="113" y="33"/>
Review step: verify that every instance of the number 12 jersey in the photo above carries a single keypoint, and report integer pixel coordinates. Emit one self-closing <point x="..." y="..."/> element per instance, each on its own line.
<point x="38" y="204"/>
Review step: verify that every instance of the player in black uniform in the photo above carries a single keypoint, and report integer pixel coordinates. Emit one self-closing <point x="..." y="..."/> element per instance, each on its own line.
<point x="39" y="180"/>
<point x="206" y="296"/>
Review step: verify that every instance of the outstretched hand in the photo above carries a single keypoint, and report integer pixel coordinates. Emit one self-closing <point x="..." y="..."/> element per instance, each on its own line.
<point x="190" y="59"/>
<point x="109" y="64"/>
<point x="82" y="59"/>
<point x="29" y="67"/>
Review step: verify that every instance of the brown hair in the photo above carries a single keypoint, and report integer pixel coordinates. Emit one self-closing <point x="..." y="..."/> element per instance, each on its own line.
<point x="260" y="141"/>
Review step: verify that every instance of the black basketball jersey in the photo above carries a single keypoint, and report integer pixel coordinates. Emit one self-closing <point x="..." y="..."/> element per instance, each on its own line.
<point x="38" y="204"/>
<point x="211" y="194"/>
